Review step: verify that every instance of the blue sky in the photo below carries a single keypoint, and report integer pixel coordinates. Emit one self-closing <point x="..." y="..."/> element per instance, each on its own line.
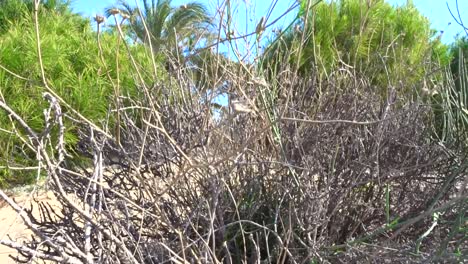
<point x="435" y="10"/>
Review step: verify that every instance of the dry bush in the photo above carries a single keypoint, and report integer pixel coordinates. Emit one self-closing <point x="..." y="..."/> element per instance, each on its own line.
<point x="185" y="186"/>
<point x="320" y="171"/>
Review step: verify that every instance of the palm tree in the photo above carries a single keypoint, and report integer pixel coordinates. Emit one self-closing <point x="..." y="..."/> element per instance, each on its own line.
<point x="167" y="25"/>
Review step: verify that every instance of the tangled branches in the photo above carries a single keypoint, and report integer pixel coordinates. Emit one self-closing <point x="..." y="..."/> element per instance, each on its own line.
<point x="185" y="186"/>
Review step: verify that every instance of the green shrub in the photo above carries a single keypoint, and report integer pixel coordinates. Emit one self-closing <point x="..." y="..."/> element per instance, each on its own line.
<point x="393" y="46"/>
<point x="451" y="99"/>
<point x="73" y="69"/>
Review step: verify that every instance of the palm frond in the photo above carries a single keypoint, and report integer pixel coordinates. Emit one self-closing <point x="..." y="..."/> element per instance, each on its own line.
<point x="163" y="21"/>
<point x="189" y="15"/>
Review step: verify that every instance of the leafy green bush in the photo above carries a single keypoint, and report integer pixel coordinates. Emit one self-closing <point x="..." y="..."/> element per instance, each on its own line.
<point x="393" y="46"/>
<point x="73" y="66"/>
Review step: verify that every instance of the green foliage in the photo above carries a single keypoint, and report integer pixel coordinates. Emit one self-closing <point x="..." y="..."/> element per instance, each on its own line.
<point x="167" y="25"/>
<point x="390" y="45"/>
<point x="451" y="101"/>
<point x="73" y="69"/>
<point x="11" y="12"/>
<point x="168" y="30"/>
<point x="459" y="55"/>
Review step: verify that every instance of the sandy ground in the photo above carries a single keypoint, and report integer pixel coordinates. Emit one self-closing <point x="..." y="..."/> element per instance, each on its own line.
<point x="11" y="225"/>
